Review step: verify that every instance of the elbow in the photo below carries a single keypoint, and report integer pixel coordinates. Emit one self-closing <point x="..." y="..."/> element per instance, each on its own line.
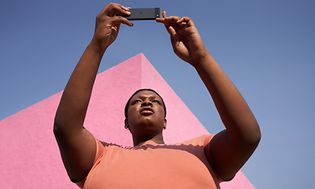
<point x="253" y="136"/>
<point x="56" y="128"/>
<point x="249" y="135"/>
<point x="59" y="131"/>
<point x="59" y="126"/>
<point x="258" y="135"/>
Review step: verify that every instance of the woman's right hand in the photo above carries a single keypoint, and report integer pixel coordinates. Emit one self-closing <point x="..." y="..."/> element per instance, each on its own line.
<point x="107" y="24"/>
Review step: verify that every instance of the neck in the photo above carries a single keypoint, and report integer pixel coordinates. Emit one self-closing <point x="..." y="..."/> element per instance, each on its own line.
<point x="138" y="141"/>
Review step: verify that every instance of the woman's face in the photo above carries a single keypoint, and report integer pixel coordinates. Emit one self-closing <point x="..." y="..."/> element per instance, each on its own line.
<point x="146" y="115"/>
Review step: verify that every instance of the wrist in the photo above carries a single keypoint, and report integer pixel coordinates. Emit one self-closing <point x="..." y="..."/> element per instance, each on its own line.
<point x="97" y="47"/>
<point x="200" y="58"/>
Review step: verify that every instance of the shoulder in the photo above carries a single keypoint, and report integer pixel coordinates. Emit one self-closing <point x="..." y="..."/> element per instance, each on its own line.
<point x="102" y="148"/>
<point x="201" y="140"/>
<point x="102" y="144"/>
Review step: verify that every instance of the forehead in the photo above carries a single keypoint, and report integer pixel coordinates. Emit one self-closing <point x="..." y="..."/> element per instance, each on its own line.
<point x="145" y="93"/>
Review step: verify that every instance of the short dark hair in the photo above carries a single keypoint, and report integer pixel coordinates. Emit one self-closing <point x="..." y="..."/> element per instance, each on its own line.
<point x="139" y="90"/>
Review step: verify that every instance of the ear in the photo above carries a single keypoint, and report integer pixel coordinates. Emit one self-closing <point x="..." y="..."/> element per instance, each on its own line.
<point x="165" y="123"/>
<point x="126" y="124"/>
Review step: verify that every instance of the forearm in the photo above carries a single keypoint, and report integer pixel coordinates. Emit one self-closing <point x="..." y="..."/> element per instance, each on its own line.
<point x="235" y="114"/>
<point x="75" y="99"/>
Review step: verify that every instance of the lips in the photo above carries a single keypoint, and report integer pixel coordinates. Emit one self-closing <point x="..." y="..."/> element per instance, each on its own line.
<point x="146" y="111"/>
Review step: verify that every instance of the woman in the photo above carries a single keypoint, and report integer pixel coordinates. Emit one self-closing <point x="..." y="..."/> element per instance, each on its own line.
<point x="151" y="163"/>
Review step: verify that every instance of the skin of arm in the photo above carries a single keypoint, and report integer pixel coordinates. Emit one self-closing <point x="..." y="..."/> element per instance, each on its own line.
<point x="76" y="144"/>
<point x="229" y="150"/>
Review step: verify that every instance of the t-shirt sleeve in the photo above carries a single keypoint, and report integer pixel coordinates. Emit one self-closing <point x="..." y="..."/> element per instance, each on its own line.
<point x="202" y="140"/>
<point x="206" y="139"/>
<point x="100" y="149"/>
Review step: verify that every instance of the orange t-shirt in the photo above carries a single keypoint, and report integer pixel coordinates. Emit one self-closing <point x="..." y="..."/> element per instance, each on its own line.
<point x="153" y="166"/>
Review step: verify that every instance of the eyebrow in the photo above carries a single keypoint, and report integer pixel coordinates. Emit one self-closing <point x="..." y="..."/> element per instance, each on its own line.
<point x="147" y="96"/>
<point x="142" y="97"/>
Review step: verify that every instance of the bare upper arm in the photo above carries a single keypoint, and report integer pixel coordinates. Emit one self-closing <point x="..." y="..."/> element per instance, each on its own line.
<point x="226" y="156"/>
<point x="78" y="150"/>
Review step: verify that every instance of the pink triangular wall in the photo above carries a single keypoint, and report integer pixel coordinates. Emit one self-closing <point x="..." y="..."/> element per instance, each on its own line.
<point x="29" y="156"/>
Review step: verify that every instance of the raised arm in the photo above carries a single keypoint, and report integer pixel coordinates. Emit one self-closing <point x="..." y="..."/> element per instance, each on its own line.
<point x="230" y="149"/>
<point x="77" y="145"/>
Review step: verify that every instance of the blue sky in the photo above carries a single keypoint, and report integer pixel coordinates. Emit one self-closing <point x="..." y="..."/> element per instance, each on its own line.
<point x="266" y="47"/>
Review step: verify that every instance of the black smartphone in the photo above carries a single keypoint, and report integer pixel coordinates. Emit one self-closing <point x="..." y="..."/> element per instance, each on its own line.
<point x="144" y="14"/>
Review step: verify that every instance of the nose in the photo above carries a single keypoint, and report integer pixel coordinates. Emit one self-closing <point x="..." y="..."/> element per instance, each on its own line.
<point x="146" y="103"/>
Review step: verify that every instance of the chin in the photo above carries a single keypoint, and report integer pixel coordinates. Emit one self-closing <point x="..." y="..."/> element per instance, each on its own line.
<point x="148" y="126"/>
<point x="146" y="122"/>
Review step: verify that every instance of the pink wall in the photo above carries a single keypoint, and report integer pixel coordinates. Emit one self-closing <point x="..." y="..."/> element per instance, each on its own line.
<point x="29" y="156"/>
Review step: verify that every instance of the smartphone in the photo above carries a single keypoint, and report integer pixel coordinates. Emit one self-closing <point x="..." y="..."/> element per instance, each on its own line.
<point x="144" y="14"/>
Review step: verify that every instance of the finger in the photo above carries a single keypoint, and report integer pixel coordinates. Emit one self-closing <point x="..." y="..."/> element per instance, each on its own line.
<point x="125" y="8"/>
<point x="182" y="19"/>
<point x="114" y="9"/>
<point x="163" y="14"/>
<point x="186" y="21"/>
<point x="121" y="20"/>
<point x="168" y="27"/>
<point x="171" y="19"/>
<point x="171" y="30"/>
<point x="175" y="42"/>
<point x="161" y="20"/>
<point x="167" y="19"/>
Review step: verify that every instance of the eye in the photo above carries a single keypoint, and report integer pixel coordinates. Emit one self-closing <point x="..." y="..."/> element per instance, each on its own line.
<point x="137" y="101"/>
<point x="156" y="101"/>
